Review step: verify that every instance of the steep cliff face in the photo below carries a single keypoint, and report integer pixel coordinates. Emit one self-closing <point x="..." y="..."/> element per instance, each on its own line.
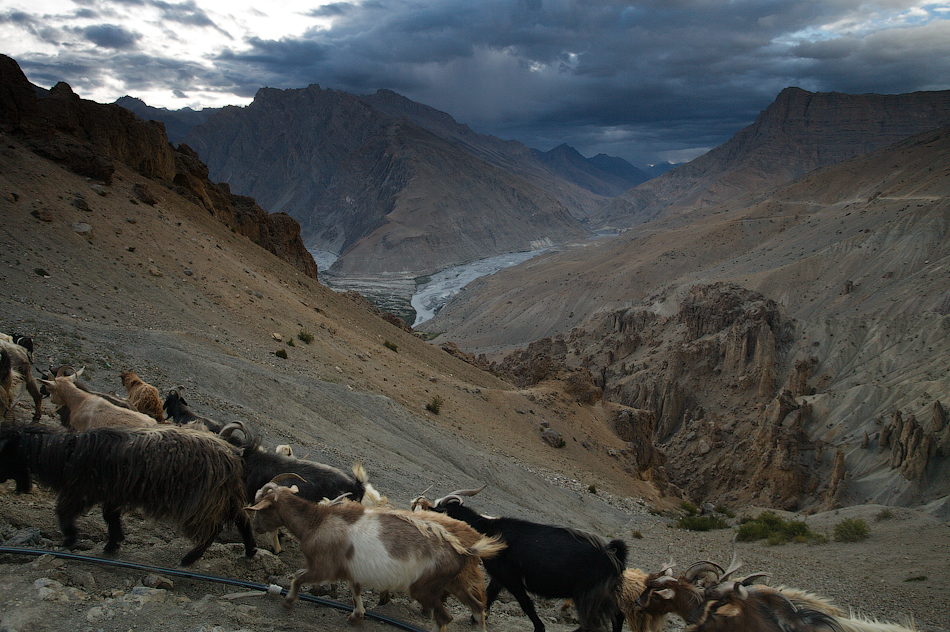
<point x="385" y="193"/>
<point x="89" y="138"/>
<point x="799" y="132"/>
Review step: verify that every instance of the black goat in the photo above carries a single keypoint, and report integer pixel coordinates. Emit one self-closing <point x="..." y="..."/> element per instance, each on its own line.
<point x="180" y="414"/>
<point x="319" y="481"/>
<point x="548" y="561"/>
<point x="187" y="476"/>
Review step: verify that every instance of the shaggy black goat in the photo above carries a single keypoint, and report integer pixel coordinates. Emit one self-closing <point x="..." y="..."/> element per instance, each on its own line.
<point x="187" y="476"/>
<point x="548" y="561"/>
<point x="180" y="414"/>
<point x="319" y="481"/>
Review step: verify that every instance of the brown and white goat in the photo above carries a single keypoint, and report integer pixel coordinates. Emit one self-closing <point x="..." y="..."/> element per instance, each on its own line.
<point x="742" y="606"/>
<point x="90" y="411"/>
<point x="424" y="554"/>
<point x="144" y="397"/>
<point x="19" y="376"/>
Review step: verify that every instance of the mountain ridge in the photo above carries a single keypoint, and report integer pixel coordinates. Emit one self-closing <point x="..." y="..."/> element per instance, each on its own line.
<point x="799" y="132"/>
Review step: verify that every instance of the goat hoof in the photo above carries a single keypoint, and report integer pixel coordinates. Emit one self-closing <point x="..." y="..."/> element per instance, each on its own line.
<point x="250" y="552"/>
<point x="287" y="604"/>
<point x="354" y="619"/>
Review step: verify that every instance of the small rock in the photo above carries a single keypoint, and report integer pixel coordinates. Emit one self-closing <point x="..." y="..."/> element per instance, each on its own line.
<point x="552" y="438"/>
<point x="99" y="189"/>
<point x="42" y="214"/>
<point x="83" y="229"/>
<point x="153" y="580"/>
<point x="144" y="195"/>
<point x="188" y="272"/>
<point x="81" y="204"/>
<point x="155" y="272"/>
<point x="276" y="336"/>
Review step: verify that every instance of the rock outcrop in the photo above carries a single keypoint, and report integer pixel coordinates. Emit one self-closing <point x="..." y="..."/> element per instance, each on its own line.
<point x="88" y="138"/>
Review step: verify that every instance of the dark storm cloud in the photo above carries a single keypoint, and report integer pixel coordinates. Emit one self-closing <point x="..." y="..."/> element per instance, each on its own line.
<point x="110" y="36"/>
<point x="643" y="79"/>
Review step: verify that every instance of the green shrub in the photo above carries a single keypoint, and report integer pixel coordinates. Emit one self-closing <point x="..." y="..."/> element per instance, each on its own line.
<point x="776" y="530"/>
<point x="702" y="523"/>
<point x="728" y="513"/>
<point x="884" y="514"/>
<point x="290" y="342"/>
<point x="281" y="353"/>
<point x="305" y="336"/>
<point x="391" y="345"/>
<point x="689" y="508"/>
<point x="852" y="530"/>
<point x="592" y="488"/>
<point x="435" y="405"/>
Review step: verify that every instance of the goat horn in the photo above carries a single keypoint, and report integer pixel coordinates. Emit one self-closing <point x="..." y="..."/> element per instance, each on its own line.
<point x="702" y="567"/>
<point x="467" y="492"/>
<point x="735" y="564"/>
<point x="751" y="579"/>
<point x="280" y="478"/>
<point x="229" y="429"/>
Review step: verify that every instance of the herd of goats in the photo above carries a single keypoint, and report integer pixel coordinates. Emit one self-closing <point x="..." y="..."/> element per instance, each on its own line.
<point x="172" y="464"/>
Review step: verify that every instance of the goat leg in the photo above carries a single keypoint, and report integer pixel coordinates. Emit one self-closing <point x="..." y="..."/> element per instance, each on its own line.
<point x="300" y="578"/>
<point x="247" y="534"/>
<point x="517" y="589"/>
<point x="113" y="519"/>
<point x="359" y="611"/>
<point x="34" y="391"/>
<point x="195" y="554"/>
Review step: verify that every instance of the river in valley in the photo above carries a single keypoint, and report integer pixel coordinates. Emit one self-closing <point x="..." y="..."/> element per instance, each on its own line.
<point x="418" y="300"/>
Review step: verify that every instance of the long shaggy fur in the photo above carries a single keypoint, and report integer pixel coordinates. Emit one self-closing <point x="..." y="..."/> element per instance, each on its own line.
<point x="19" y="376"/>
<point x="185" y="476"/>
<point x="144" y="397"/>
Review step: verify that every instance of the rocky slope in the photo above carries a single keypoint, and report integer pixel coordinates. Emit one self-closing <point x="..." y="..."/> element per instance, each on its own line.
<point x="388" y="195"/>
<point x="829" y="337"/>
<point x="91" y="139"/>
<point x="105" y="280"/>
<point x="799" y="132"/>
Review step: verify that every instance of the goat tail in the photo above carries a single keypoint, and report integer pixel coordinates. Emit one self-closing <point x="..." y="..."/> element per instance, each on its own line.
<point x="487" y="547"/>
<point x="617" y="550"/>
<point x="371" y="497"/>
<point x="845" y="624"/>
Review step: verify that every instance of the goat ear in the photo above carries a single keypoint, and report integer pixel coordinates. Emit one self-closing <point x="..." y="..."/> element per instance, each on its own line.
<point x="264" y="504"/>
<point x="666" y="593"/>
<point x="293" y="489"/>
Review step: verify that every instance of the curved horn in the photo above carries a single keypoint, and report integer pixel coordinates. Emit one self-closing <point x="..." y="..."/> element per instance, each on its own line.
<point x="702" y="567"/>
<point x="467" y="492"/>
<point x="751" y="579"/>
<point x="280" y="478"/>
<point x="735" y="564"/>
<point x="229" y="429"/>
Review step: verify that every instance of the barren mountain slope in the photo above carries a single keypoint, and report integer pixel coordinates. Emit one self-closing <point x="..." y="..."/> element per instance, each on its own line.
<point x="849" y="311"/>
<point x="878" y="221"/>
<point x="174" y="294"/>
<point x="800" y="131"/>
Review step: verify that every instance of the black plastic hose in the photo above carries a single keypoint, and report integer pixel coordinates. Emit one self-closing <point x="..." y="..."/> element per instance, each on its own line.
<point x="209" y="578"/>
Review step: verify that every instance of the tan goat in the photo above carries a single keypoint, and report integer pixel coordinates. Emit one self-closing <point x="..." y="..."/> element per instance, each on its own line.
<point x="144" y="397"/>
<point x="90" y="411"/>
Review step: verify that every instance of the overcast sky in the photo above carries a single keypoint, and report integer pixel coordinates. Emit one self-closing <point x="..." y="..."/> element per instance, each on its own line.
<point x="647" y="80"/>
